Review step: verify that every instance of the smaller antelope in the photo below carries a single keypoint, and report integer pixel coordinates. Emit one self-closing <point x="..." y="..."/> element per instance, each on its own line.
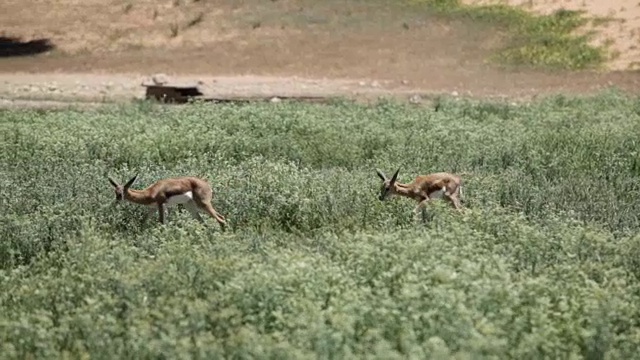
<point x="424" y="188"/>
<point x="192" y="192"/>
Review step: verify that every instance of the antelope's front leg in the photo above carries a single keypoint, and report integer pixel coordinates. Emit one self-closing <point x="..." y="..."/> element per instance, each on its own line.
<point x="161" y="212"/>
<point x="148" y="213"/>
<point x="420" y="208"/>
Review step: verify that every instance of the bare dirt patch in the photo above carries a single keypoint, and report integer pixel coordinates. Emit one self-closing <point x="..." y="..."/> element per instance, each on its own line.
<point x="124" y="87"/>
<point x="104" y="49"/>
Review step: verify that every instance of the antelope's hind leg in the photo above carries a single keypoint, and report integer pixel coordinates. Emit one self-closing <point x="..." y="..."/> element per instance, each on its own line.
<point x="453" y="197"/>
<point x="214" y="214"/>
<point x="202" y="199"/>
<point x="193" y="210"/>
<point x="454" y="201"/>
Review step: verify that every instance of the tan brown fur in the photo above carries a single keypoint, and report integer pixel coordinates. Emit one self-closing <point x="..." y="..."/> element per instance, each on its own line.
<point x="423" y="188"/>
<point x="157" y="194"/>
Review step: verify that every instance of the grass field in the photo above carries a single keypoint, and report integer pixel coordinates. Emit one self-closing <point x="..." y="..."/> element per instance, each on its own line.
<point x="543" y="264"/>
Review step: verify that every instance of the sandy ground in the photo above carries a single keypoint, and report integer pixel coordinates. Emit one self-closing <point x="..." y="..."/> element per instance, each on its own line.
<point x="105" y="49"/>
<point x="62" y="89"/>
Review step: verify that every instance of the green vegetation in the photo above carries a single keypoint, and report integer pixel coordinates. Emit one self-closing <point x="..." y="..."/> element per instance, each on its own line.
<point x="545" y="41"/>
<point x="543" y="264"/>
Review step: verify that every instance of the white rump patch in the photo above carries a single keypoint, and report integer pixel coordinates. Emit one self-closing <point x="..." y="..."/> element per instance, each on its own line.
<point x="180" y="199"/>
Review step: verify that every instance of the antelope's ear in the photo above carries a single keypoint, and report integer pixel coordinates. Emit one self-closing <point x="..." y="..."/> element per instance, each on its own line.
<point x="381" y="175"/>
<point x="130" y="182"/>
<point x="115" y="184"/>
<point x="394" y="177"/>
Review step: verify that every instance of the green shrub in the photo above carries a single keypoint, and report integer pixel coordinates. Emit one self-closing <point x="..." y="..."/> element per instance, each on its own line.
<point x="541" y="41"/>
<point x="542" y="264"/>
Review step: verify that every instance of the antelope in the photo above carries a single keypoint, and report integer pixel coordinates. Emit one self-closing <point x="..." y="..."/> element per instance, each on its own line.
<point x="193" y="193"/>
<point x="424" y="188"/>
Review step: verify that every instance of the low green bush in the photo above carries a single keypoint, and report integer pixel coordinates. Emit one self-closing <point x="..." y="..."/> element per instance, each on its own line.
<point x="544" y="262"/>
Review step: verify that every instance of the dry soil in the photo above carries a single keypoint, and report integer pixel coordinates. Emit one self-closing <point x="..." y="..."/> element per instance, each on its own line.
<point x="104" y="49"/>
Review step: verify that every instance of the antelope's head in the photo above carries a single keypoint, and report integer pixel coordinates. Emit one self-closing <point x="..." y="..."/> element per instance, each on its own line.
<point x="388" y="185"/>
<point x="121" y="190"/>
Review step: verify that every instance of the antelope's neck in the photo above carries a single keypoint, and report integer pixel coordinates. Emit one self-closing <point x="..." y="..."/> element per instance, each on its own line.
<point x="138" y="197"/>
<point x="406" y="191"/>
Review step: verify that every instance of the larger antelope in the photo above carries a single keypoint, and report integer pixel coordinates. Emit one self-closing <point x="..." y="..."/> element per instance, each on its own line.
<point x="192" y="192"/>
<point x="424" y="188"/>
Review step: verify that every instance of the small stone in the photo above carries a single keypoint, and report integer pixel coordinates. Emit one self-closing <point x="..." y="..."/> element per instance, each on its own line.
<point x="405" y="82"/>
<point x="275" y="99"/>
<point x="454" y="93"/>
<point x="160" y="79"/>
<point x="415" y="99"/>
<point x="375" y="84"/>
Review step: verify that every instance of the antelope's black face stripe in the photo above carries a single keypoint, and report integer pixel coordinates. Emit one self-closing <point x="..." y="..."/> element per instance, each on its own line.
<point x="119" y="193"/>
<point x="384" y="191"/>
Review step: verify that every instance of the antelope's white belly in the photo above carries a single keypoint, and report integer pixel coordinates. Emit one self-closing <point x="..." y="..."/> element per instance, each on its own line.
<point x="437" y="194"/>
<point x="180" y="199"/>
